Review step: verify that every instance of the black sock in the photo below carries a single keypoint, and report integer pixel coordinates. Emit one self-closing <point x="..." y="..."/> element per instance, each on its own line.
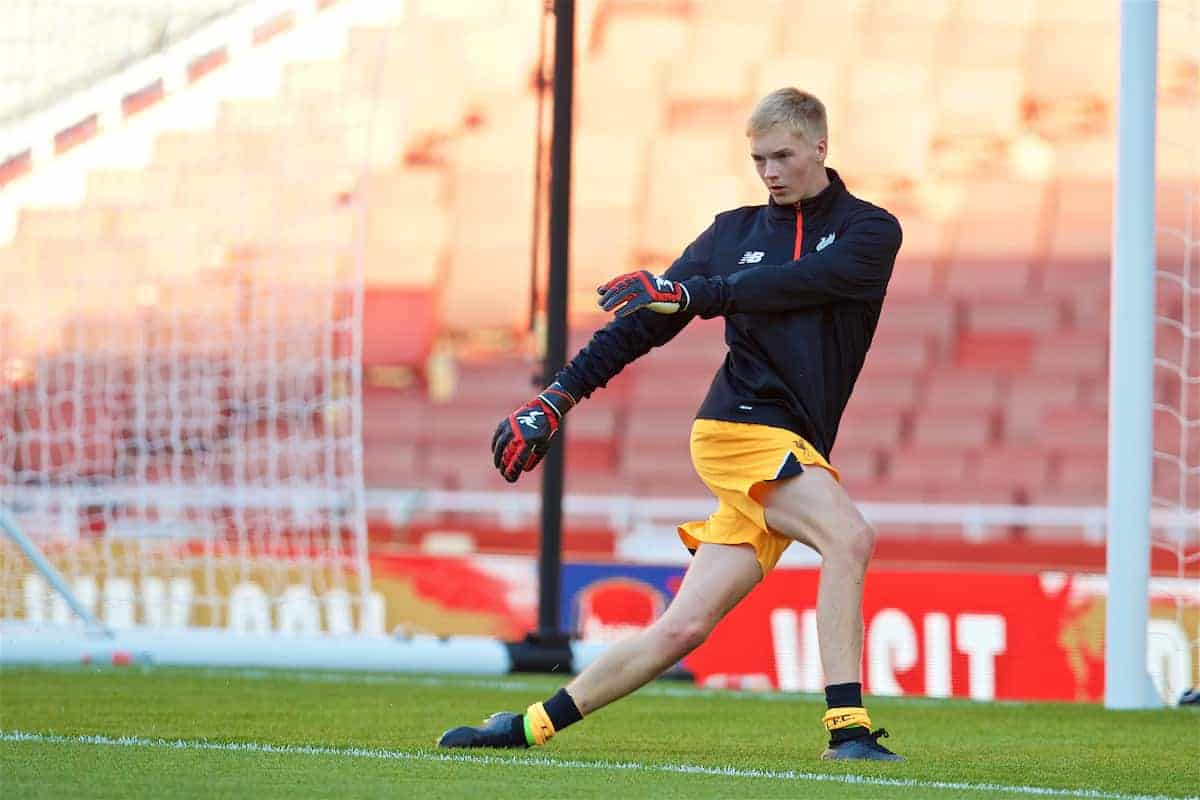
<point x="562" y="710"/>
<point x="843" y="695"/>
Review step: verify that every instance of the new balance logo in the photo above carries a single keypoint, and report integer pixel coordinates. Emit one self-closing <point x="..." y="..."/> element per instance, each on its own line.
<point x="530" y="419"/>
<point x="825" y="241"/>
<point x="751" y="257"/>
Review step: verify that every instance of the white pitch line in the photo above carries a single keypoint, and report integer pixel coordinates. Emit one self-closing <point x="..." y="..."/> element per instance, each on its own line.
<point x="543" y="761"/>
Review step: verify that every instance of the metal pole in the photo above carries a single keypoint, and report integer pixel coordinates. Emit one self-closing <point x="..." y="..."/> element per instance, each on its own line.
<point x="550" y="552"/>
<point x="1131" y="368"/>
<point x="548" y="648"/>
<point x="51" y="574"/>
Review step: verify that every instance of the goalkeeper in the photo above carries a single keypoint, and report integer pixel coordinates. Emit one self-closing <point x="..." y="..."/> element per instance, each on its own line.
<point x="800" y="282"/>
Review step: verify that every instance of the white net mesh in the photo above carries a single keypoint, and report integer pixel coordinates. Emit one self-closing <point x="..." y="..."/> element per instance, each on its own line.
<point x="180" y="389"/>
<point x="184" y="450"/>
<point x="1175" y="606"/>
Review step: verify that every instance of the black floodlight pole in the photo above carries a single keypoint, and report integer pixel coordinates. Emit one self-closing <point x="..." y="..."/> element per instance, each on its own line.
<point x="548" y="649"/>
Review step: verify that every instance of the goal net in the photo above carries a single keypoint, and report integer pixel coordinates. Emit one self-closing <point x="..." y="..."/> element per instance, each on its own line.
<point x="183" y="449"/>
<point x="180" y="392"/>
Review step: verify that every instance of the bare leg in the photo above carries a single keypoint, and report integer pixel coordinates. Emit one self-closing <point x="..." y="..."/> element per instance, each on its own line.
<point x="814" y="509"/>
<point x="719" y="576"/>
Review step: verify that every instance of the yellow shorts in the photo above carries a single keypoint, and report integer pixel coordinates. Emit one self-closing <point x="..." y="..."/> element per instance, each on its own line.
<point x="733" y="459"/>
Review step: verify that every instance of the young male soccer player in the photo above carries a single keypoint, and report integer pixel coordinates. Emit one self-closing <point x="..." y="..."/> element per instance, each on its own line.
<point x="800" y="282"/>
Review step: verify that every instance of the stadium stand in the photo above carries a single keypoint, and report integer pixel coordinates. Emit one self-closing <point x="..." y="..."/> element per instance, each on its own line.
<point x="986" y="381"/>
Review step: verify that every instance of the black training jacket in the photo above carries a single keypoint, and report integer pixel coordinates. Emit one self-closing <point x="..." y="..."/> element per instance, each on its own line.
<point x="800" y="289"/>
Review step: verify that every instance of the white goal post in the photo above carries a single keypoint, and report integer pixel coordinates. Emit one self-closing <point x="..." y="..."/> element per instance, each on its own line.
<point x="1131" y="370"/>
<point x="1154" y="378"/>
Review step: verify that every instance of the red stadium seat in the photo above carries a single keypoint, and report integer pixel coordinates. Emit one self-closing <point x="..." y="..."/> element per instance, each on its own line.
<point x="858" y="467"/>
<point x="915" y="279"/>
<point x="503" y="382"/>
<point x="922" y="468"/>
<point x="1071" y="354"/>
<point x="588" y="454"/>
<point x="392" y="465"/>
<point x="1006" y="353"/>
<point x="682" y="392"/>
<point x="1013" y="467"/>
<point x="898" y="356"/>
<point x="931" y="319"/>
<point x="464" y="425"/>
<point x="656" y="428"/>
<point x="1082" y="471"/>
<point x="952" y="429"/>
<point x="393" y="417"/>
<point x="988" y="278"/>
<point x="1021" y="313"/>
<point x="398" y="326"/>
<point x="1066" y="277"/>
<point x="1067" y="496"/>
<point x="941" y="475"/>
<point x="667" y="483"/>
<point x="875" y="392"/>
<point x="1075" y="430"/>
<point x="958" y="392"/>
<point x="865" y="430"/>
<point x="665" y="464"/>
<point x="1028" y="398"/>
<point x="468" y="467"/>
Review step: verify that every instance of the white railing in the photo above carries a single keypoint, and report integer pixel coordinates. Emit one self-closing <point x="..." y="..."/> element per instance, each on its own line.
<point x="977" y="522"/>
<point x="624" y="512"/>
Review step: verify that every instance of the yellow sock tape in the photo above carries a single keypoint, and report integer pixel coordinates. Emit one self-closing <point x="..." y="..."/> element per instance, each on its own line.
<point x="847" y="717"/>
<point x="538" y="723"/>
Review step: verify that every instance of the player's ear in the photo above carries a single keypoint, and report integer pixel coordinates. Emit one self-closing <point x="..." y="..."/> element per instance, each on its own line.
<point x="822" y="148"/>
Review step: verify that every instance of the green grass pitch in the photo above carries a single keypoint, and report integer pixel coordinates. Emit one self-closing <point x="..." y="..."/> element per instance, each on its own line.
<point x="169" y="733"/>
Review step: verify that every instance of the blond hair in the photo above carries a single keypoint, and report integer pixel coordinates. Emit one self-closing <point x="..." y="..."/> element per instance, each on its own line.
<point x="796" y="110"/>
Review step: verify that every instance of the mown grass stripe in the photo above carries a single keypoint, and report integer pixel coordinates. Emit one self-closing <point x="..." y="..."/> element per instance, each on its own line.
<point x="543" y="761"/>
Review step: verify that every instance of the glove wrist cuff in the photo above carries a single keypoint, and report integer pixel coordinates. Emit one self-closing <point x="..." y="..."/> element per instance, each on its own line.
<point x="703" y="296"/>
<point x="558" y="398"/>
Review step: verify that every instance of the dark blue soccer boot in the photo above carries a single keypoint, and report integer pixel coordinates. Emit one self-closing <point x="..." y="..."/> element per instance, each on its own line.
<point x="504" y="729"/>
<point x="861" y="748"/>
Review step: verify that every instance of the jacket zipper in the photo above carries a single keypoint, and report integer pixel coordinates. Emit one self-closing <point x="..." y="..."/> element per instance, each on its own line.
<point x="799" y="234"/>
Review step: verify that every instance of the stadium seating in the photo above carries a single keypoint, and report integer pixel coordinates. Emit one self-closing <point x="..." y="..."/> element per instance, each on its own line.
<point x="414" y="152"/>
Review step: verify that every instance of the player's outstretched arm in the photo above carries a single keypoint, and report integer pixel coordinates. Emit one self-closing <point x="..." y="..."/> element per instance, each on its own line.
<point x="524" y="437"/>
